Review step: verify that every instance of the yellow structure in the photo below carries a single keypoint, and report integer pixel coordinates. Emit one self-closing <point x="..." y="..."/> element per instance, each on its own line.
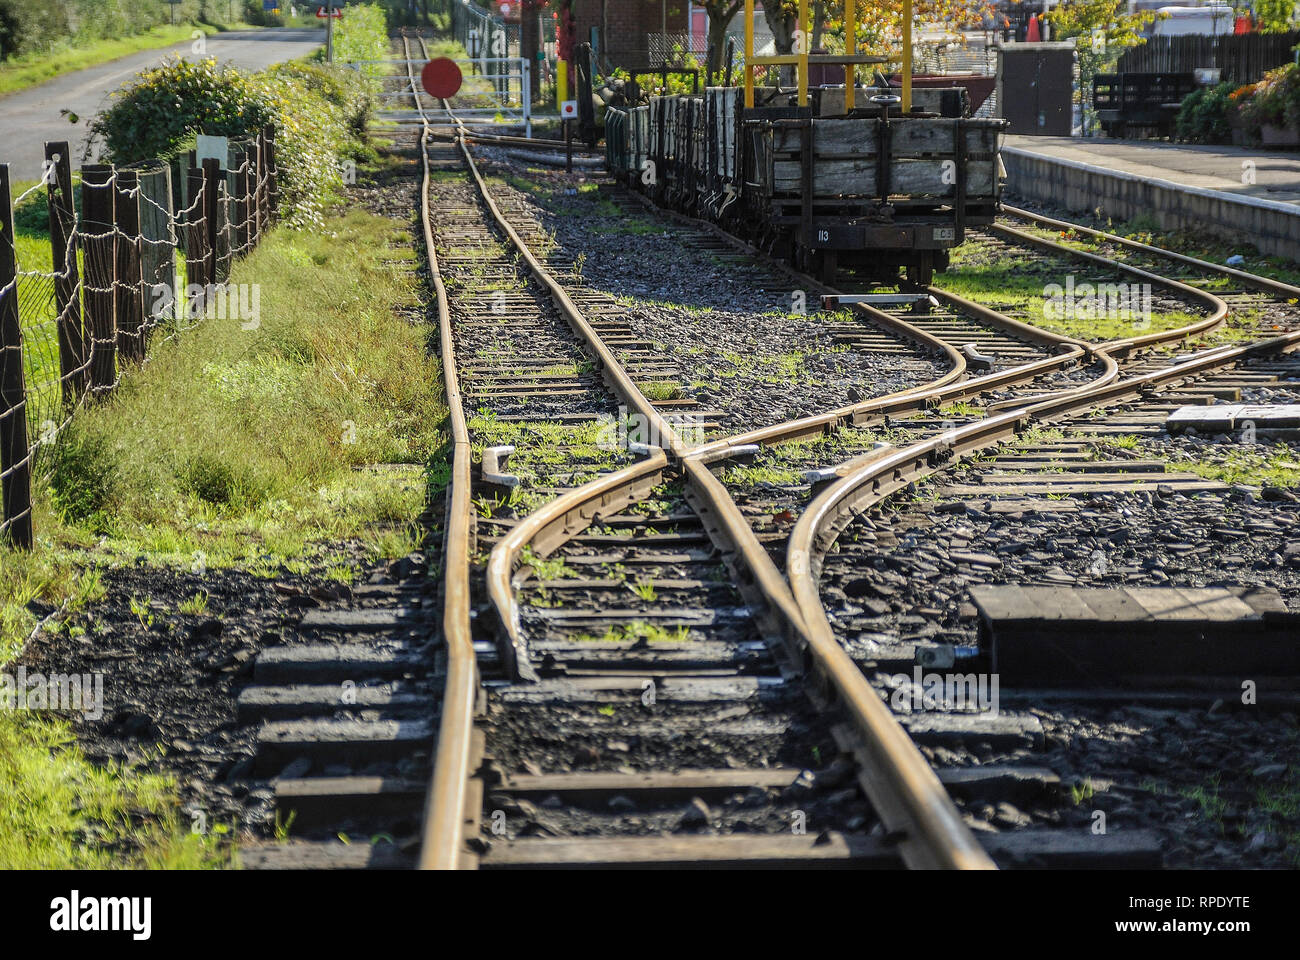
<point x="850" y="59"/>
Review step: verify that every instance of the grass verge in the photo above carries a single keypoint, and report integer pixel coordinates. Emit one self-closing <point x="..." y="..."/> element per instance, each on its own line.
<point x="263" y="445"/>
<point x="30" y="71"/>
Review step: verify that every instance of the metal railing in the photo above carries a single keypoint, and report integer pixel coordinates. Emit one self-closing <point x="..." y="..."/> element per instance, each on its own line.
<point x="489" y="41"/>
<point x="502" y="96"/>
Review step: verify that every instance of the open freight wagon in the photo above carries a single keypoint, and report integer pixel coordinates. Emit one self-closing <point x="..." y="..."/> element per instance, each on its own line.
<point x="869" y="178"/>
<point x="872" y="190"/>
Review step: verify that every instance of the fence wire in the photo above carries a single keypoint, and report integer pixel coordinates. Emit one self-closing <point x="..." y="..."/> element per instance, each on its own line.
<point x="149" y="272"/>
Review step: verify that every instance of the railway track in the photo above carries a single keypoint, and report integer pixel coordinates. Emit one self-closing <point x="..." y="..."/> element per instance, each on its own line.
<point x="691" y="670"/>
<point x="637" y="664"/>
<point x="1133" y="370"/>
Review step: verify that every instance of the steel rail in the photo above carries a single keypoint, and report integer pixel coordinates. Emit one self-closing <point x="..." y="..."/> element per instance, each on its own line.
<point x="896" y="769"/>
<point x="1265" y="284"/>
<point x="558" y="521"/>
<point x="444" y="815"/>
<point x="501" y="138"/>
<point x="610" y="367"/>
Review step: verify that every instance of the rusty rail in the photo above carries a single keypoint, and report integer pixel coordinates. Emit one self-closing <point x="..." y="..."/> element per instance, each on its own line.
<point x="445" y="805"/>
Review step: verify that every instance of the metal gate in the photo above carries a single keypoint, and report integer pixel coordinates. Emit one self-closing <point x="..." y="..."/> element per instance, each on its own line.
<point x="495" y="90"/>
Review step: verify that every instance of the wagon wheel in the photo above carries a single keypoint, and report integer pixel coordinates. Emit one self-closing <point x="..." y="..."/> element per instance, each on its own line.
<point x="921" y="274"/>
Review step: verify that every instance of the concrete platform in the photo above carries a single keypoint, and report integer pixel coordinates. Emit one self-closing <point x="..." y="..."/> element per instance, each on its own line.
<point x="1182" y="186"/>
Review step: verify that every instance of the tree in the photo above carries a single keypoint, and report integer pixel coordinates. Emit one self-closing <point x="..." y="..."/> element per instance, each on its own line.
<point x="1274" y="15"/>
<point x="1104" y="31"/>
<point x="879" y="22"/>
<point x="720" y="14"/>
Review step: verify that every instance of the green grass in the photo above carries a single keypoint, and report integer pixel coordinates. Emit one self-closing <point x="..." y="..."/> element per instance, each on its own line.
<point x="1121" y="441"/>
<point x="638" y="630"/>
<point x="554" y="569"/>
<point x="194" y="606"/>
<point x="33" y="69"/>
<point x="744" y="477"/>
<point x="59" y="811"/>
<point x="265" y="429"/>
<point x="1014" y="284"/>
<point x="660" y="390"/>
<point x="1259" y="465"/>
<point x="254" y="448"/>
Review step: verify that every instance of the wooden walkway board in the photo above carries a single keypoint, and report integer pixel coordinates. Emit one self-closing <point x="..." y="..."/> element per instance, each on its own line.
<point x="1068" y="636"/>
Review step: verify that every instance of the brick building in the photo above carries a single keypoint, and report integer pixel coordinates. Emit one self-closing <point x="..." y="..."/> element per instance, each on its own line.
<point x="622" y="27"/>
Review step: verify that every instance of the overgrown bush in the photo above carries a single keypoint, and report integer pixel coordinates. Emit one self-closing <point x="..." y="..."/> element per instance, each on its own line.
<point x="318" y="113"/>
<point x="165" y="106"/>
<point x="348" y="90"/>
<point x="1274" y="100"/>
<point x="1203" y="115"/>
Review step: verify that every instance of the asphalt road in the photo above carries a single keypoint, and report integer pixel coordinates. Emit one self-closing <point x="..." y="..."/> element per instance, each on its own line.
<point x="30" y="117"/>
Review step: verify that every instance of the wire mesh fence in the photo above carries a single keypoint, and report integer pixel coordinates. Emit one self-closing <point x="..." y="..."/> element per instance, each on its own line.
<point x="85" y="290"/>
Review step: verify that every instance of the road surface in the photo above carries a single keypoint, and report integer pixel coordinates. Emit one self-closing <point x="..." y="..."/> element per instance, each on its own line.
<point x="30" y="117"/>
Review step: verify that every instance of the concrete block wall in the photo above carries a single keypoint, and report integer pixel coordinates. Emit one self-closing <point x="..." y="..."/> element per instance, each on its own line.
<point x="1272" y="227"/>
<point x="625" y="24"/>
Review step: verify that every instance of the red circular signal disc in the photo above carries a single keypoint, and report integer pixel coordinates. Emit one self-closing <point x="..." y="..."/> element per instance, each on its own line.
<point x="441" y="77"/>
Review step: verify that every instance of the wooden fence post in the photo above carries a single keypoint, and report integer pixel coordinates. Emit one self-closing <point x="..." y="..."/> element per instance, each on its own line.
<point x="74" y="370"/>
<point x="272" y="176"/>
<point x="196" y="246"/>
<point x="196" y="234"/>
<point x="212" y="206"/>
<point x="256" y="193"/>
<point x="99" y="240"/>
<point x="158" y="241"/>
<point x="242" y="205"/>
<point x="130" y="296"/>
<point x="15" y="452"/>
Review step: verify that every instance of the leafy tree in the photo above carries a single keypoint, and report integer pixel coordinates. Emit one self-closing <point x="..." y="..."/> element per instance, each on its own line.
<point x="1274" y="15"/>
<point x="1103" y="29"/>
<point x="879" y="22"/>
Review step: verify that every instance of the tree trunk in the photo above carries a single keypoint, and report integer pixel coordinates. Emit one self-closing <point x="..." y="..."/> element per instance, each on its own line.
<point x="819" y="24"/>
<point x="717" y="36"/>
<point x="783" y="25"/>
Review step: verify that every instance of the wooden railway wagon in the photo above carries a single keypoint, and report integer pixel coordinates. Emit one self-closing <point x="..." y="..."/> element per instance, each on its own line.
<point x="871" y="190"/>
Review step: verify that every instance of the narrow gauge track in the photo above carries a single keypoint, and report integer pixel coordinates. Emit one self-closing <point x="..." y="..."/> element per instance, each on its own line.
<point x="1147" y="374"/>
<point x="730" y="672"/>
<point x="752" y="665"/>
<point x="887" y="762"/>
